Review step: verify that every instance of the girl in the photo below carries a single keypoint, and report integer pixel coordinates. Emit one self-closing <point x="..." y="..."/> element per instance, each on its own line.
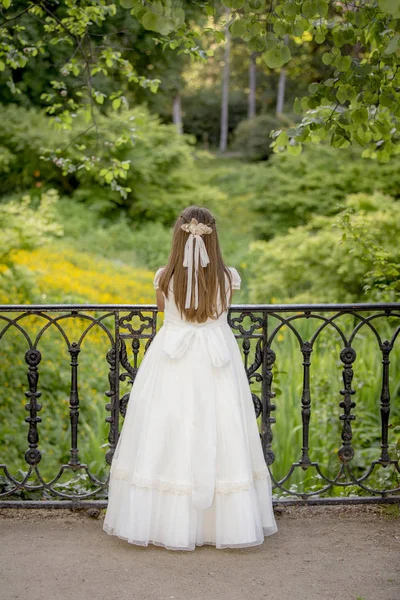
<point x="188" y="468"/>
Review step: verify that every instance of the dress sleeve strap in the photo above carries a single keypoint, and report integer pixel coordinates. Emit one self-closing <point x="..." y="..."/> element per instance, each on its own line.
<point x="157" y="277"/>
<point x="236" y="279"/>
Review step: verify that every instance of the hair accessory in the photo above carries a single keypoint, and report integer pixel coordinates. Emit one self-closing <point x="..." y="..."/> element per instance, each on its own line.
<point x="195" y="230"/>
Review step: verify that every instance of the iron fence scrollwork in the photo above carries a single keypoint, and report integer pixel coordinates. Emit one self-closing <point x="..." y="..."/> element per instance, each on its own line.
<point x="130" y="330"/>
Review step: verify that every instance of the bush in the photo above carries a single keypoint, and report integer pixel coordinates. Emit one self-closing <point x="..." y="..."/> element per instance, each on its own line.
<point x="24" y="227"/>
<point x="252" y="136"/>
<point x="158" y="163"/>
<point x="317" y="263"/>
<point x="202" y="114"/>
<point x="23" y="133"/>
<point x="287" y="190"/>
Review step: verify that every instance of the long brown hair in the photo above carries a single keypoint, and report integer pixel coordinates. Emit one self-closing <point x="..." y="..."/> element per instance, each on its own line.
<point x="211" y="278"/>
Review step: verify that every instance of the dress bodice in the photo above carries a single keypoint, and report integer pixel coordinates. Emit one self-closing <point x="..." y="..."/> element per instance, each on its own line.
<point x="171" y="312"/>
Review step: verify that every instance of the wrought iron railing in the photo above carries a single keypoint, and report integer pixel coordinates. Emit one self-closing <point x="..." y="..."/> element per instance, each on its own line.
<point x="129" y="329"/>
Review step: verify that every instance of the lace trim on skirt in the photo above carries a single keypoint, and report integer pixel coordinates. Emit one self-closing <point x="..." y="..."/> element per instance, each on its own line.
<point x="221" y="487"/>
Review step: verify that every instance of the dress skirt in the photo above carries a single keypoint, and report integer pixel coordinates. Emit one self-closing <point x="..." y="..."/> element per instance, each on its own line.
<point x="188" y="468"/>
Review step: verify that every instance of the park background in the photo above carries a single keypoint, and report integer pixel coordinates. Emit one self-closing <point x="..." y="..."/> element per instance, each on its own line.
<point x="89" y="193"/>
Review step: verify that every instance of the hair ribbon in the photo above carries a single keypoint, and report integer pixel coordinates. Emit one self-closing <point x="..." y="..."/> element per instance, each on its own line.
<point x="192" y="259"/>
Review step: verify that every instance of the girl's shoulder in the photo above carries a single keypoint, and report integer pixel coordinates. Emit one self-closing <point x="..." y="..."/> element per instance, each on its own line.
<point x="157" y="277"/>
<point x="236" y="279"/>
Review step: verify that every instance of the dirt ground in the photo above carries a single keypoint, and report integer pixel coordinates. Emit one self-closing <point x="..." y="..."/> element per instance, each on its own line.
<point x="324" y="553"/>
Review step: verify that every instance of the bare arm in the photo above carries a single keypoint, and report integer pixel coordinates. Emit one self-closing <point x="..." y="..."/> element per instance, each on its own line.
<point x="160" y="300"/>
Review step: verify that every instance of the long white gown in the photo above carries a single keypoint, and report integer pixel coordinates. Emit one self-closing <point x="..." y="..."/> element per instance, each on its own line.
<point x="188" y="468"/>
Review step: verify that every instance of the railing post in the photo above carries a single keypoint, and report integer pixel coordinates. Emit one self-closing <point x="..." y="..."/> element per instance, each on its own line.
<point x="346" y="451"/>
<point x="33" y="358"/>
<point x="386" y="348"/>
<point x="306" y="403"/>
<point x="267" y="394"/>
<point x="74" y="404"/>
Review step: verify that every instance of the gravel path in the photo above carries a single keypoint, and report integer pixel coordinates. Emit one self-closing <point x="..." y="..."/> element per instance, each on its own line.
<point x="319" y="553"/>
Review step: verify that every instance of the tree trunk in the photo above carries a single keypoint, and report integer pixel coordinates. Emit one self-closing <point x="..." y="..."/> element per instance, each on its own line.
<point x="251" y="112"/>
<point x="281" y="87"/>
<point x="281" y="92"/>
<point x="177" y="112"/>
<point x="223" y="140"/>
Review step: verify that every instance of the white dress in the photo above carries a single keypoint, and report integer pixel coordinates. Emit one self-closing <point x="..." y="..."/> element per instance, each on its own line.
<point x="188" y="468"/>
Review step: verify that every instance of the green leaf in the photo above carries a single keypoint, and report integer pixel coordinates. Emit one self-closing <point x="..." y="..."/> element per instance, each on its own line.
<point x="299" y="26"/>
<point x="286" y="54"/>
<point x="256" y="5"/>
<point x="343" y="63"/>
<point x="116" y="103"/>
<point x="297" y="108"/>
<point x="338" y="140"/>
<point x="99" y="97"/>
<point x="154" y="85"/>
<point x="393" y="45"/>
<point x="150" y="21"/>
<point x="279" y="28"/>
<point x="341" y="94"/>
<point x="238" y="28"/>
<point x="364" y="136"/>
<point x="359" y="115"/>
<point x="277" y="57"/>
<point x="313" y="87"/>
<point x="338" y="38"/>
<point x="386" y="100"/>
<point x="309" y="8"/>
<point x="294" y="149"/>
<point x="319" y="37"/>
<point x="322" y="7"/>
<point x="257" y="43"/>
<point x="327" y="58"/>
<point x="282" y="139"/>
<point x="271" y="40"/>
<point x="289" y="9"/>
<point x="158" y="23"/>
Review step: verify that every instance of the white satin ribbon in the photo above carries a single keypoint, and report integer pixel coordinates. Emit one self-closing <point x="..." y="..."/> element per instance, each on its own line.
<point x="200" y="254"/>
<point x="210" y="349"/>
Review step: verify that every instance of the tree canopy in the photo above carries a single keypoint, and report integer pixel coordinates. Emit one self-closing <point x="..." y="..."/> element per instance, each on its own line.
<point x="354" y="102"/>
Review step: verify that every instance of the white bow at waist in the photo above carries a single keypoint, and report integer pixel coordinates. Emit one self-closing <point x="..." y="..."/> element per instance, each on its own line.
<point x="178" y="339"/>
<point x="177" y="342"/>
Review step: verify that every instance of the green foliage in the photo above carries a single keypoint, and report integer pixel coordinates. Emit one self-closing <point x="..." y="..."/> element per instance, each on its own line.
<point x="352" y="102"/>
<point x="316" y="263"/>
<point x="148" y="165"/>
<point x="288" y="190"/>
<point x="161" y="179"/>
<point x="202" y="112"/>
<point x="24" y="227"/>
<point x="356" y="103"/>
<point x="252" y="136"/>
<point x="124" y="242"/>
<point x="382" y="276"/>
<point x="89" y="80"/>
<point x="23" y="134"/>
